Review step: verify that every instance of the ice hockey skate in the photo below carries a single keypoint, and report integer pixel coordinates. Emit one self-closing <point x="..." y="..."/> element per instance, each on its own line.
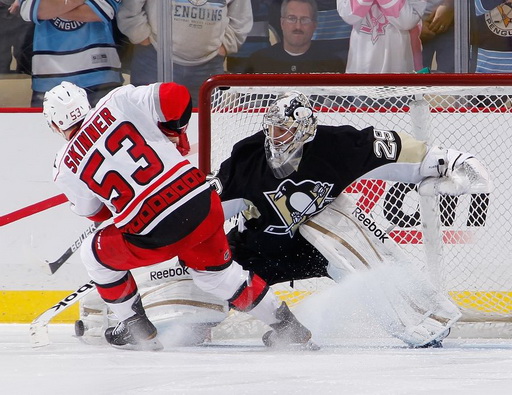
<point x="288" y="332"/>
<point x="134" y="333"/>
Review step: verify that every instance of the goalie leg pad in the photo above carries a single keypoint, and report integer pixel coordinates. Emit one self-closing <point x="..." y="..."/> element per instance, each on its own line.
<point x="408" y="305"/>
<point x="349" y="238"/>
<point x="405" y="302"/>
<point x="182" y="313"/>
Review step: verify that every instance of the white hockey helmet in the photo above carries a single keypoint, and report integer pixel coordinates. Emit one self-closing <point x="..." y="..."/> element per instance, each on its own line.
<point x="288" y="124"/>
<point x="65" y="105"/>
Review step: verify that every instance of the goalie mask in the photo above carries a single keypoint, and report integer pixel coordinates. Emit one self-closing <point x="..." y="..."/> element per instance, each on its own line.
<point x="64" y="106"/>
<point x="288" y="124"/>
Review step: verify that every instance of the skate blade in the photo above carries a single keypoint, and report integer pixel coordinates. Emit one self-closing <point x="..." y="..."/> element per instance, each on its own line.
<point x="143" y="345"/>
<point x="308" y="346"/>
<point x="432" y="344"/>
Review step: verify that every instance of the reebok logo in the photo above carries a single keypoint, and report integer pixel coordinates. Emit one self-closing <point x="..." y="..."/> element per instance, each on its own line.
<point x="159" y="274"/>
<point x="64" y="303"/>
<point x="370" y="225"/>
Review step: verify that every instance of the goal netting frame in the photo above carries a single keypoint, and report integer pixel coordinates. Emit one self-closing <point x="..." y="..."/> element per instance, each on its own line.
<point x="468" y="256"/>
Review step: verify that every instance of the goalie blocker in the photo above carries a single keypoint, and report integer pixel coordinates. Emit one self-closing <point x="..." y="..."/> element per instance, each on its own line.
<point x="406" y="303"/>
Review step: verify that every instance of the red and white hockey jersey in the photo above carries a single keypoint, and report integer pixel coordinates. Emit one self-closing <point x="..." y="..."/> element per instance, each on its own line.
<point x="121" y="160"/>
<point x="385" y="35"/>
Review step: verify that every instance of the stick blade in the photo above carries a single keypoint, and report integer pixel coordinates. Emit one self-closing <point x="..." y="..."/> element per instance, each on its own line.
<point x="53" y="266"/>
<point x="39" y="327"/>
<point x="38" y="333"/>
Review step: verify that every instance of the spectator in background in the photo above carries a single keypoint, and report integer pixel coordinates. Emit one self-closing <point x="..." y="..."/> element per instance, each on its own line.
<point x="297" y="53"/>
<point x="258" y="38"/>
<point x="332" y="32"/>
<point x="15" y="38"/>
<point x="203" y="34"/>
<point x="385" y="35"/>
<point x="438" y="36"/>
<point x="73" y="41"/>
<point x="492" y="36"/>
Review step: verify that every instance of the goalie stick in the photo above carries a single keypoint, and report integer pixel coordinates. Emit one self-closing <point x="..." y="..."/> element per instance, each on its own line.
<point x="421" y="129"/>
<point x="55" y="265"/>
<point x="39" y="326"/>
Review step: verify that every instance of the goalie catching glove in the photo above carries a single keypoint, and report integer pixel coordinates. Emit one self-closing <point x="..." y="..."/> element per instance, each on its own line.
<point x="451" y="172"/>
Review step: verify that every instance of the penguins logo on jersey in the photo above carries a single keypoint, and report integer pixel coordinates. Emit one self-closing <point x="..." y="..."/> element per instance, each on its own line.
<point x="65" y="25"/>
<point x="295" y="203"/>
<point x="499" y="20"/>
<point x="374" y="24"/>
<point x="198" y="2"/>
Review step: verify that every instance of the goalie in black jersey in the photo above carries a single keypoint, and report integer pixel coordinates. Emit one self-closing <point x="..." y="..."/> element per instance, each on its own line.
<point x="287" y="176"/>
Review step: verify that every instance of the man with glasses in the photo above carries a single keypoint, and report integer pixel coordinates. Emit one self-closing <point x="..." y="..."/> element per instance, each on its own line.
<point x="297" y="53"/>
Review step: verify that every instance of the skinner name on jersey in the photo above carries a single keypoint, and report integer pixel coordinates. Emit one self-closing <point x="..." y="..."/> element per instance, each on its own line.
<point x="85" y="139"/>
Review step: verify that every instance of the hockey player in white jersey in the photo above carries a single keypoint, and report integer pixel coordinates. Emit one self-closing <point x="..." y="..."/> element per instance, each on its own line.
<point x="290" y="176"/>
<point x="119" y="163"/>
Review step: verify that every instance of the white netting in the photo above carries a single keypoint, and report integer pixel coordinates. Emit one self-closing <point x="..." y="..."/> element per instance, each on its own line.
<point x="475" y="268"/>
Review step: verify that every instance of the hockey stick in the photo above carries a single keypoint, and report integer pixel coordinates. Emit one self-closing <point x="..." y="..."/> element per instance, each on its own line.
<point x="39" y="327"/>
<point x="55" y="265"/>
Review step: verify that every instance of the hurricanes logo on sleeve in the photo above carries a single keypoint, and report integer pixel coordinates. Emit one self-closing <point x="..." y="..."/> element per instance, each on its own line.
<point x="295" y="203"/>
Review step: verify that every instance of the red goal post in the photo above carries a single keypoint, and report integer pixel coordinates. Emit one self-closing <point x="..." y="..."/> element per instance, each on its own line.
<point x="473" y="261"/>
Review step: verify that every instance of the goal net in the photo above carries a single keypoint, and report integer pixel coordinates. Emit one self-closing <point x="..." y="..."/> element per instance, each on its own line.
<point x="470" y="256"/>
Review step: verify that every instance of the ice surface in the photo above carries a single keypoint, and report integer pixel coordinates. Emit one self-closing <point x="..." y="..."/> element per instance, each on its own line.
<point x="357" y="358"/>
<point x="351" y="366"/>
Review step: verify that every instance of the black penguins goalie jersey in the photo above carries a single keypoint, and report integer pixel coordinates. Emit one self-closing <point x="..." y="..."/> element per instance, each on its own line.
<point x="338" y="155"/>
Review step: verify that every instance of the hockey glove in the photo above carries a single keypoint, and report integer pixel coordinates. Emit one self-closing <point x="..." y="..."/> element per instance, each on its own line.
<point x="451" y="172"/>
<point x="178" y="137"/>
